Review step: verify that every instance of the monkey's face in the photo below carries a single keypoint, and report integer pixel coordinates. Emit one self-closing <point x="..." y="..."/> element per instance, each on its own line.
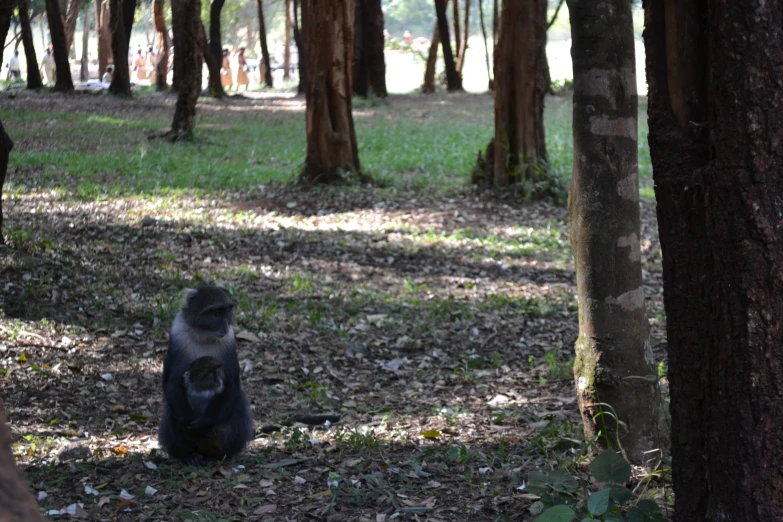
<point x="210" y="310"/>
<point x="217" y="321"/>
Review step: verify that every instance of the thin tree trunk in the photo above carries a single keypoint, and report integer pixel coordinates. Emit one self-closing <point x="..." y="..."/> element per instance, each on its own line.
<point x="361" y="83"/>
<point x="331" y="138"/>
<point x="189" y="44"/>
<point x="215" y="48"/>
<point x="715" y="121"/>
<point x="453" y="81"/>
<point x="463" y="49"/>
<point x="85" y="71"/>
<point x="432" y="60"/>
<point x="64" y="82"/>
<point x="495" y="25"/>
<point x="521" y="81"/>
<point x="289" y="23"/>
<point x="614" y="344"/>
<point x="33" y="72"/>
<point x="71" y="18"/>
<point x="6" y="13"/>
<point x="264" y="48"/>
<point x="457" y="32"/>
<point x="16" y="500"/>
<point x="369" y="65"/>
<point x="300" y="46"/>
<point x="554" y="16"/>
<point x="213" y="66"/>
<point x="103" y="33"/>
<point x="164" y="44"/>
<point x="486" y="46"/>
<point x="120" y="82"/>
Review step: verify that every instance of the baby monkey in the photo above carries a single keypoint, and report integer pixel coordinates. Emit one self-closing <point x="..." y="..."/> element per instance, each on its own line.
<point x="203" y="382"/>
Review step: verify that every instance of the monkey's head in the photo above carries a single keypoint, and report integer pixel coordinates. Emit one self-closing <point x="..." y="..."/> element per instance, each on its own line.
<point x="209" y="309"/>
<point x="205" y="373"/>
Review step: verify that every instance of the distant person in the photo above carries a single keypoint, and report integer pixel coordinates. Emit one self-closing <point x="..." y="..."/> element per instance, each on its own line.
<point x="242" y="78"/>
<point x="152" y="65"/>
<point x="108" y="74"/>
<point x="407" y="37"/>
<point x="48" y="70"/>
<point x="225" y="71"/>
<point x="14" y="68"/>
<point x="140" y="66"/>
<point x="386" y="34"/>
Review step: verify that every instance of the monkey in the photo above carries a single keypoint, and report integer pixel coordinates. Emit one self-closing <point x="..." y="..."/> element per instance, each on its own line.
<point x="223" y="424"/>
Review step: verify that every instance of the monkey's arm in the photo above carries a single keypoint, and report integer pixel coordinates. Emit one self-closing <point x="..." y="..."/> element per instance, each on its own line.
<point x="174" y="389"/>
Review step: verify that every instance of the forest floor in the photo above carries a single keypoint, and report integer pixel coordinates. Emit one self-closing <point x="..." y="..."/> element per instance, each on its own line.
<point x="439" y="320"/>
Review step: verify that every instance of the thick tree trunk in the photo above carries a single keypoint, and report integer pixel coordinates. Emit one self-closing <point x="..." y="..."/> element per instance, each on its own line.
<point x="715" y="130"/>
<point x="33" y="73"/>
<point x="486" y="46"/>
<point x="289" y="23"/>
<point x="215" y="49"/>
<point x="103" y="32"/>
<point x="120" y="82"/>
<point x="463" y="48"/>
<point x="64" y="81"/>
<point x="128" y="14"/>
<point x="162" y="37"/>
<point x="71" y="17"/>
<point x="521" y="83"/>
<point x="16" y="500"/>
<point x="84" y="74"/>
<point x="214" y="65"/>
<point x="613" y="348"/>
<point x="331" y="138"/>
<point x="453" y="81"/>
<point x="300" y="46"/>
<point x="432" y="61"/>
<point x="369" y="66"/>
<point x="189" y="39"/>
<point x="264" y="47"/>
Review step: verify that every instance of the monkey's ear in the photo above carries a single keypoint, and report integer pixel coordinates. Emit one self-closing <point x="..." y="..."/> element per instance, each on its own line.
<point x="189" y="294"/>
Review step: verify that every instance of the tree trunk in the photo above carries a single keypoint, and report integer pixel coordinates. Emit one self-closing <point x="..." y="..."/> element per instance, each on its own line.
<point x="214" y="65"/>
<point x="64" y="81"/>
<point x="369" y="66"/>
<point x="120" y="82"/>
<point x="486" y="46"/>
<point x="300" y="46"/>
<point x="85" y="71"/>
<point x="715" y="121"/>
<point x="457" y="32"/>
<point x="189" y="39"/>
<point x="162" y="37"/>
<point x="463" y="48"/>
<point x="264" y="47"/>
<point x="103" y="32"/>
<point x="289" y="22"/>
<point x="521" y="81"/>
<point x="215" y="49"/>
<point x="16" y="500"/>
<point x="453" y="81"/>
<point x="495" y="25"/>
<point x="33" y="73"/>
<point x="128" y="14"/>
<point x="432" y="61"/>
<point x="614" y="343"/>
<point x="331" y="139"/>
<point x="71" y="17"/>
<point x="6" y="13"/>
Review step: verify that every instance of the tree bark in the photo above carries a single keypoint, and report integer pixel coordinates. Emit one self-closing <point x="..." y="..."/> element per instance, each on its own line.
<point x="164" y="44"/>
<point x="463" y="48"/>
<point x="6" y="13"/>
<point x="300" y="46"/>
<point x="453" y="81"/>
<point x="486" y="46"/>
<point x="64" y="82"/>
<point x="103" y="32"/>
<point x="331" y="138"/>
<point x="71" y="17"/>
<point x="215" y="49"/>
<point x="189" y="39"/>
<point x="120" y="82"/>
<point x="432" y="61"/>
<point x="16" y="500"/>
<point x="521" y="81"/>
<point x="369" y="66"/>
<point x="264" y="48"/>
<point x="84" y="74"/>
<point x="128" y="14"/>
<point x="289" y="22"/>
<point x="33" y="72"/>
<point x="613" y="344"/>
<point x="495" y="25"/>
<point x="714" y="134"/>
<point x="457" y="32"/>
<point x="213" y="65"/>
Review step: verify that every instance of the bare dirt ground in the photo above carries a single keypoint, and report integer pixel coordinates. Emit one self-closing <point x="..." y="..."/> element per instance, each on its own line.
<point x="439" y="323"/>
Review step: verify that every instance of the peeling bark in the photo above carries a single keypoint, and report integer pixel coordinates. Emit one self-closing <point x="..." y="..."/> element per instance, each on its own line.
<point x="715" y="133"/>
<point x="331" y="138"/>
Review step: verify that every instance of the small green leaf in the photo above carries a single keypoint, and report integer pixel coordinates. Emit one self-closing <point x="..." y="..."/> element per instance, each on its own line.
<point x="598" y="503"/>
<point x="557" y="514"/>
<point x="610" y="466"/>
<point x="620" y="495"/>
<point x="648" y="507"/>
